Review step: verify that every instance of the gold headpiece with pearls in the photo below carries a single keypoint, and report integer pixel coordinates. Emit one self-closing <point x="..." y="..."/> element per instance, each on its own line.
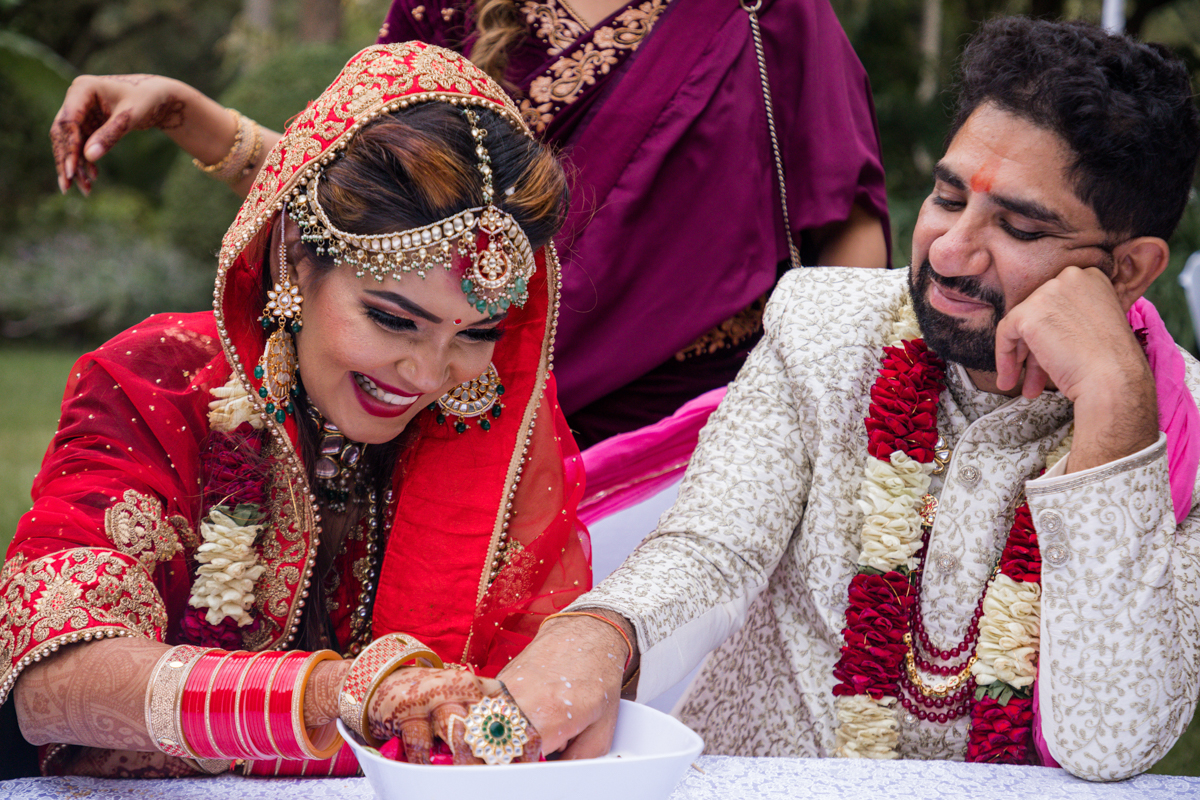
<point x="498" y="253"/>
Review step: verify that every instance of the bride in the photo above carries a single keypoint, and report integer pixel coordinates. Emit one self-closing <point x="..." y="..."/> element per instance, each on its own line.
<point x="250" y="518"/>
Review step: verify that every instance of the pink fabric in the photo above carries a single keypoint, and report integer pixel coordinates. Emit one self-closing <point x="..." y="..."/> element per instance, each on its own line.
<point x="1177" y="414"/>
<point x="628" y="468"/>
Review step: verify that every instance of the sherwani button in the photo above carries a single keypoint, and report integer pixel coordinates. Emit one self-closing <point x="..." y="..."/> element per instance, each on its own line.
<point x="945" y="562"/>
<point x="1056" y="554"/>
<point x="969" y="475"/>
<point x="1050" y="522"/>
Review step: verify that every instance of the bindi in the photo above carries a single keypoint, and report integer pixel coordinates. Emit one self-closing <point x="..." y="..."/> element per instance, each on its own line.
<point x="981" y="181"/>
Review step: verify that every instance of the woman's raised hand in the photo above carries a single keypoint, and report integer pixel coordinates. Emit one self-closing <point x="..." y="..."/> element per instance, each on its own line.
<point x="99" y="109"/>
<point x="418" y="704"/>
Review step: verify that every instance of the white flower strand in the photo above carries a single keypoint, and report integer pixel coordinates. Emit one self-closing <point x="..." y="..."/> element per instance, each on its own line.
<point x="1008" y="633"/>
<point x="867" y="728"/>
<point x="889" y="497"/>
<point x="1010" y="628"/>
<point x="227" y="572"/>
<point x="231" y="407"/>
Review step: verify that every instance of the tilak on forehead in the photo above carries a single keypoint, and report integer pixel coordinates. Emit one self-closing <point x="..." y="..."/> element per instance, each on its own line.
<point x="984" y="177"/>
<point x="384" y="79"/>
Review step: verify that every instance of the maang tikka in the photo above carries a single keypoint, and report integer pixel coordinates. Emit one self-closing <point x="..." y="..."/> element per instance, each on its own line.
<point x="499" y="256"/>
<point x="277" y="366"/>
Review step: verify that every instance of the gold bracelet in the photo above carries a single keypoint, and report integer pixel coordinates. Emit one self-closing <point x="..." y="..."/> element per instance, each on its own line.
<point x="247" y="144"/>
<point x="323" y="742"/>
<point x="381" y="658"/>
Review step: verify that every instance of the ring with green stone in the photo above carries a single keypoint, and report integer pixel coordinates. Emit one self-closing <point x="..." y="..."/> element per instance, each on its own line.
<point x="497" y="731"/>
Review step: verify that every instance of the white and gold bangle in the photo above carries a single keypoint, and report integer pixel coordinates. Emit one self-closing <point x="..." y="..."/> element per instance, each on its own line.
<point x="237" y="163"/>
<point x="381" y="658"/>
<point x="162" y="698"/>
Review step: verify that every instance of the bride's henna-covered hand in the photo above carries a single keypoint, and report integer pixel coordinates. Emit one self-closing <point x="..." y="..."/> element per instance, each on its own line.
<point x="418" y="704"/>
<point x="99" y="109"/>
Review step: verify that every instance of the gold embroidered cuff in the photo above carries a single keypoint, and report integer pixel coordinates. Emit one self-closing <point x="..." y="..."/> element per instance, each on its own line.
<point x="237" y="163"/>
<point x="162" y="698"/>
<point x="383" y="657"/>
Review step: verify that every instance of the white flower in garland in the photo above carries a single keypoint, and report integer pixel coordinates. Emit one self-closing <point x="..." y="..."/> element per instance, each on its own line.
<point x="1008" y="634"/>
<point x="232" y="407"/>
<point x="227" y="572"/>
<point x="889" y="496"/>
<point x="867" y="728"/>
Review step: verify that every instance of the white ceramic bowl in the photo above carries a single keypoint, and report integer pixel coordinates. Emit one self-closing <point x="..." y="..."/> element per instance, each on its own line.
<point x="650" y="752"/>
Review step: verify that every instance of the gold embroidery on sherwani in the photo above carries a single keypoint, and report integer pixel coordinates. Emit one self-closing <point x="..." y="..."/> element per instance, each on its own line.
<point x="137" y="528"/>
<point x="571" y="75"/>
<point x="71" y="596"/>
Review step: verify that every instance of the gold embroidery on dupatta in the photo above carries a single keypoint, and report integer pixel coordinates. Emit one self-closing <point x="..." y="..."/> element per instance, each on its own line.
<point x="552" y="23"/>
<point x="92" y="593"/>
<point x="571" y="75"/>
<point x="285" y="548"/>
<point x="137" y="528"/>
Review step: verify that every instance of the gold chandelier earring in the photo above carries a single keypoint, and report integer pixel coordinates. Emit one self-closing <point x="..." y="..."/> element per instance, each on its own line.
<point x="277" y="366"/>
<point x="475" y="398"/>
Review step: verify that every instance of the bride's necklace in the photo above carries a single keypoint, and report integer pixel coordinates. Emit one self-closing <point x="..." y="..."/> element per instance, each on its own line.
<point x="337" y="467"/>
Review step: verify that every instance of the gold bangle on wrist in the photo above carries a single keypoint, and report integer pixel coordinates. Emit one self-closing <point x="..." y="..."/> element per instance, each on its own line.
<point x="240" y="160"/>
<point x="162" y="698"/>
<point x="381" y="658"/>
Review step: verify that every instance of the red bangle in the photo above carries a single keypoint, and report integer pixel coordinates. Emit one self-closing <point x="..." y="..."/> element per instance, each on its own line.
<point x="222" y="706"/>
<point x="278" y="705"/>
<point x="192" y="717"/>
<point x="250" y="716"/>
<point x="285" y="717"/>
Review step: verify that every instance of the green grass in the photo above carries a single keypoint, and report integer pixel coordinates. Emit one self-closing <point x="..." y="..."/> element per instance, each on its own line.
<point x="31" y="386"/>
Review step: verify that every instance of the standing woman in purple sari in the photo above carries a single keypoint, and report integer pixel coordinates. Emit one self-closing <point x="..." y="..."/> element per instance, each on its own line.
<point x="675" y="234"/>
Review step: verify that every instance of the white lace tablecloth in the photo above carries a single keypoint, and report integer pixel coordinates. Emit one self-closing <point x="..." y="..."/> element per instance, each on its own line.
<point x="722" y="778"/>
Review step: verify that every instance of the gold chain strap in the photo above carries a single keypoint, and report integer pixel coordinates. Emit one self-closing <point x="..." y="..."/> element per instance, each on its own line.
<point x="752" y="10"/>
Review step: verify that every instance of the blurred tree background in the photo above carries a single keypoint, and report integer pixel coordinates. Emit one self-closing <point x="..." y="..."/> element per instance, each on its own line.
<point x="73" y="271"/>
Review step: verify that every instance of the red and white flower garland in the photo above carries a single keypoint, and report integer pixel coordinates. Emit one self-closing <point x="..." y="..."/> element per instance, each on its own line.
<point x="223" y="593"/>
<point x="883" y="603"/>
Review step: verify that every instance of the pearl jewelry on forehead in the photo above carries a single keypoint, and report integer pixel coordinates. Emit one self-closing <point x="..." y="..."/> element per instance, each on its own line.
<point x="499" y="256"/>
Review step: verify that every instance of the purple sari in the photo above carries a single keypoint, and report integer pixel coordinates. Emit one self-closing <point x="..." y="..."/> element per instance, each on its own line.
<point x="674" y="224"/>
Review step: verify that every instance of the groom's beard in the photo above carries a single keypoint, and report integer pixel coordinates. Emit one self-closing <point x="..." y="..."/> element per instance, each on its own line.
<point x="952" y="338"/>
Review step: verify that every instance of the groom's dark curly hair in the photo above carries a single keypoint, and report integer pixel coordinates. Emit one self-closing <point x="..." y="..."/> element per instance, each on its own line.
<point x="1124" y="108"/>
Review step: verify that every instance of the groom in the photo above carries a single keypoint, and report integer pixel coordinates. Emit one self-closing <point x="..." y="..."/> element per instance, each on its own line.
<point x="1010" y="517"/>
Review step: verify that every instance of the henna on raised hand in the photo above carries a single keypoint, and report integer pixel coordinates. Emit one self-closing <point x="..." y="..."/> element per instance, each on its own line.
<point x="166" y="116"/>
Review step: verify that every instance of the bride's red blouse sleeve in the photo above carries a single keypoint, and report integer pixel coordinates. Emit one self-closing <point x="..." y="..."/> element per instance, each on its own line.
<point x="116" y="505"/>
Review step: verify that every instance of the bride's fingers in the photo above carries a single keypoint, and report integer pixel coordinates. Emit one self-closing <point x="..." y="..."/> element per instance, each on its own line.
<point x="450" y="724"/>
<point x="418" y="739"/>
<point x="65" y="142"/>
<point x="533" y="748"/>
<point x="107" y="135"/>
